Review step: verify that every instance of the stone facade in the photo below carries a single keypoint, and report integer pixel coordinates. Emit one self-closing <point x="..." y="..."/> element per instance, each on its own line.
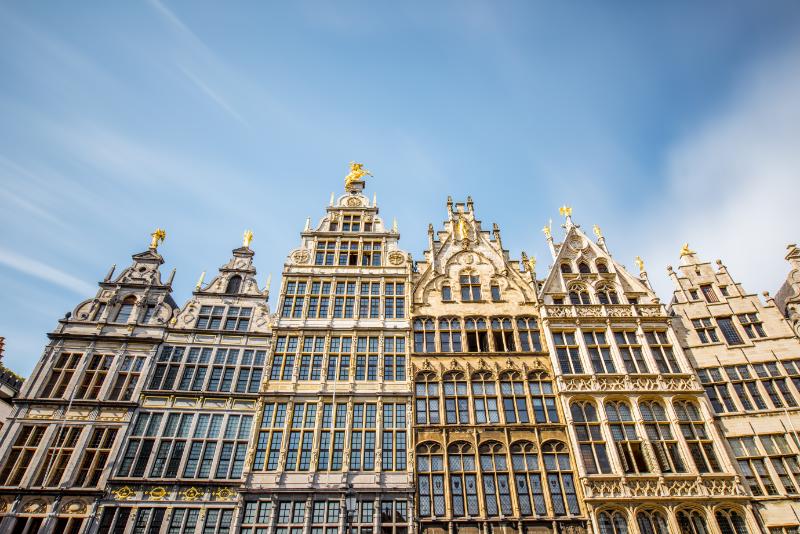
<point x="747" y="357"/>
<point x="458" y="394"/>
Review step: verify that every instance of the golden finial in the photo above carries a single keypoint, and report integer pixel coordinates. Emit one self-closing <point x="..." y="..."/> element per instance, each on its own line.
<point x="597" y="232"/>
<point x="685" y="251"/>
<point x="548" y="233"/>
<point x="247" y="238"/>
<point x="357" y="172"/>
<point x="532" y="264"/>
<point x="157" y="237"/>
<point x="200" y="280"/>
<point x="565" y="211"/>
<point x="640" y="263"/>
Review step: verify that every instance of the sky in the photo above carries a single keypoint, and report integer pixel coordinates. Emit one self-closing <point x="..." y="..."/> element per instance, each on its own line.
<point x="663" y="123"/>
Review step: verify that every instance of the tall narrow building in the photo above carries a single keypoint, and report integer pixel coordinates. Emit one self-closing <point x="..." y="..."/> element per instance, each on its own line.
<point x="181" y="465"/>
<point x="74" y="410"/>
<point x="331" y="439"/>
<point x="651" y="461"/>
<point x="492" y="453"/>
<point x="748" y="360"/>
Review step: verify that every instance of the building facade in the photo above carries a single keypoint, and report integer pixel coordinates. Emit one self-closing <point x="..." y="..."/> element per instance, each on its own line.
<point x="747" y="358"/>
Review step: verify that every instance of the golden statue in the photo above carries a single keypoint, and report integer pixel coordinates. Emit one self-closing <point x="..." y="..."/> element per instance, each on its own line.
<point x="548" y="233"/>
<point x="157" y="237"/>
<point x="565" y="211"/>
<point x="462" y="228"/>
<point x="685" y="251"/>
<point x="532" y="264"/>
<point x="640" y="263"/>
<point x="597" y="232"/>
<point x="357" y="172"/>
<point x="247" y="238"/>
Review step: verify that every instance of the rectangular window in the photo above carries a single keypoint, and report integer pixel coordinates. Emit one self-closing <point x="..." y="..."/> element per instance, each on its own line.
<point x="708" y="293"/>
<point x="752" y="325"/>
<point x="705" y="330"/>
<point x="599" y="352"/>
<point x="569" y="358"/>
<point x="729" y="331"/>
<point x="661" y="349"/>
<point x="470" y="288"/>
<point x="631" y="351"/>
<point x="63" y="368"/>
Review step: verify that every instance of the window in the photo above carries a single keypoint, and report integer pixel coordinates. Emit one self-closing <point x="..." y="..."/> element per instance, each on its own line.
<point x="148" y="520"/>
<point x="268" y="446"/>
<point x="470" y="287"/>
<point x="430" y="480"/>
<point x="183" y="520"/>
<point x="238" y="319"/>
<point x="234" y="285"/>
<point x="745" y="388"/>
<point x="543" y="398"/>
<point x="697" y="438"/>
<point x="599" y="351"/>
<point x="127" y="376"/>
<point x="217" y="521"/>
<point x="777" y="388"/>
<point x="631" y="351"/>
<point x="565" y="268"/>
<point x="659" y="432"/>
<point x="60" y="375"/>
<point x="732" y="337"/>
<point x="289" y="517"/>
<point x="495" y="289"/>
<point x="730" y="522"/>
<point x="125" y="310"/>
<point x="351" y="223"/>
<point x="652" y="522"/>
<point x="484" y="395"/>
<point x="456" y="400"/>
<point x="325" y="252"/>
<point x="784" y="461"/>
<point x="114" y="519"/>
<point x="607" y="295"/>
<point x="366" y="358"/>
<point x="494" y="471"/>
<point x="569" y="359"/>
<point x="515" y="407"/>
<point x="591" y="443"/>
<point x="579" y="296"/>
<point x="716" y="390"/>
<point x="752" y="325"/>
<point x="339" y="354"/>
<point x="301" y="436"/>
<point x="708" y="293"/>
<point x="601" y="267"/>
<point x="611" y="522"/>
<point x="284" y="357"/>
<point x="662" y="352"/>
<point x="450" y="335"/>
<point x="583" y="268"/>
<point x="210" y="317"/>
<point x="362" y="437"/>
<point x="149" y="311"/>
<point x="94" y="376"/>
<point x="319" y="300"/>
<point x="477" y="336"/>
<point x="694" y="295"/>
<point x="447" y="294"/>
<point x="724" y="291"/>
<point x="311" y="358"/>
<point x="54" y="463"/>
<point x="752" y="466"/>
<point x="95" y="456"/>
<point x="369" y="301"/>
<point x="199" y="372"/>
<point x="529" y="337"/>
<point x="395" y="301"/>
<point x="394" y="358"/>
<point x="394" y="516"/>
<point x="344" y="301"/>
<point x="705" y="330"/>
<point x="331" y="440"/>
<point x="626" y="438"/>
<point x="559" y="478"/>
<point x="371" y="253"/>
<point x="293" y="299"/>
<point x="528" y="478"/>
<point x="503" y="335"/>
<point x="427" y="399"/>
<point x="463" y="480"/>
<point x="394" y="437"/>
<point x="424" y="336"/>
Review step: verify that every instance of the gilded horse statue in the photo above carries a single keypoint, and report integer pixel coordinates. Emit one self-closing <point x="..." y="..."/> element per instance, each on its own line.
<point x="357" y="172"/>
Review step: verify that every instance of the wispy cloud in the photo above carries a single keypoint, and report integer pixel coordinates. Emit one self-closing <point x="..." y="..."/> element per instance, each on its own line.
<point x="42" y="271"/>
<point x="213" y="95"/>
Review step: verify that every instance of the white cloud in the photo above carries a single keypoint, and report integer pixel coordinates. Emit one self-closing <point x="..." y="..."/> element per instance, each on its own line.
<point x="42" y="271"/>
<point x="733" y="182"/>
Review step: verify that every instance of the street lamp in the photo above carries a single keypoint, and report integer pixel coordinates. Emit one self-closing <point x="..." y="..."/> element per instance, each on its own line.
<point x="350" y="505"/>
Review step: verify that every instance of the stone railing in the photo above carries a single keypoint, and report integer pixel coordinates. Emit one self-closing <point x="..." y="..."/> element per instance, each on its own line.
<point x="699" y="487"/>
<point x="605" y="310"/>
<point x="627" y="383"/>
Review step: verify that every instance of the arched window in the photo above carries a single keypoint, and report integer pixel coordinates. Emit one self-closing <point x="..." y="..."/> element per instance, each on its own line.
<point x="696" y="435"/>
<point x="659" y="433"/>
<point x="583" y="268"/>
<point x="477" y="336"/>
<point x="494" y="470"/>
<point x="484" y="395"/>
<point x="601" y="266"/>
<point x="691" y="522"/>
<point x="456" y="401"/>
<point x="590" y="439"/>
<point x="612" y="522"/>
<point x="430" y="480"/>
<point x="515" y="406"/>
<point x="528" y="478"/>
<point x="652" y="522"/>
<point x="529" y="338"/>
<point x="607" y="295"/>
<point x="543" y="398"/>
<point x="626" y="438"/>
<point x="503" y="334"/>
<point x="731" y="522"/>
<point x="424" y="335"/>
<point x="125" y="310"/>
<point x="427" y="399"/>
<point x="463" y="479"/>
<point x="559" y="478"/>
<point x="447" y="294"/>
<point x="235" y="285"/>
<point x="565" y="268"/>
<point x="579" y="296"/>
<point x="450" y="335"/>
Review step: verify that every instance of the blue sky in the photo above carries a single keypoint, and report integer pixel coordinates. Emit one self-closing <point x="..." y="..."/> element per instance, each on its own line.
<point x="661" y="122"/>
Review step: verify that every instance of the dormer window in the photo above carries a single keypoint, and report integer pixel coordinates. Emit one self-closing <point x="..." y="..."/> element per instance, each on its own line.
<point x="470" y="288"/>
<point x="693" y="294"/>
<point x="234" y="285"/>
<point x="565" y="268"/>
<point x="708" y="293"/>
<point x="351" y="223"/>
<point x="125" y="310"/>
<point x="583" y="268"/>
<point x="602" y="267"/>
<point x="447" y="294"/>
<point x="607" y="295"/>
<point x="724" y="291"/>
